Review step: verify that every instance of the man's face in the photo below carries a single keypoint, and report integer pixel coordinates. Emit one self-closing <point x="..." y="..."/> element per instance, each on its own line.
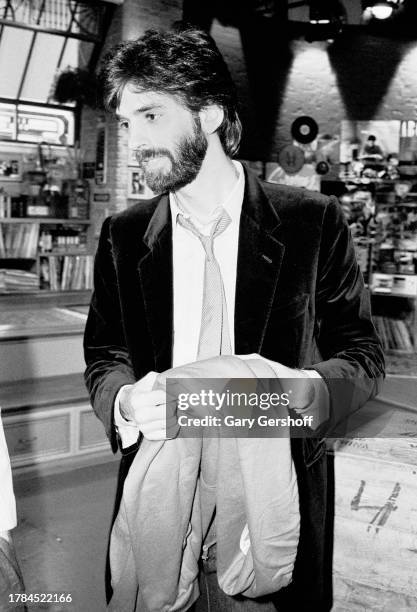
<point x="167" y="138"/>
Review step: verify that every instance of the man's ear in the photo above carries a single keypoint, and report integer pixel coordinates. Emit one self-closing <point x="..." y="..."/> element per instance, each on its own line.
<point x="211" y="118"/>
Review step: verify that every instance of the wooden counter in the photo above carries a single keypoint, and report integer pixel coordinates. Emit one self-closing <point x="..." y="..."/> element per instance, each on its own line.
<point x="41" y="342"/>
<point x="48" y="420"/>
<point x="375" y="554"/>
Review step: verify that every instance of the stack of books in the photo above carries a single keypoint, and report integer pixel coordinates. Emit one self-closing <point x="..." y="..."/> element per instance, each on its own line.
<point x="19" y="240"/>
<point x="66" y="272"/>
<point x="394" y="334"/>
<point x="12" y="281"/>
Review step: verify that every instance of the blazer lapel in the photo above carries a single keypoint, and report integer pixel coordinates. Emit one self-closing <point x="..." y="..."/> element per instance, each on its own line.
<point x="259" y="261"/>
<point x="156" y="278"/>
<point x="260" y="256"/>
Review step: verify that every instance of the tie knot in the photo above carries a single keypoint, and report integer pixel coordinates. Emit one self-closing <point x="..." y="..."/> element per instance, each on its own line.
<point x="220" y="224"/>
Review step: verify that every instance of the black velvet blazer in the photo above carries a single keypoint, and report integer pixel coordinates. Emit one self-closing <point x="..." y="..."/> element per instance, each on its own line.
<point x="300" y="300"/>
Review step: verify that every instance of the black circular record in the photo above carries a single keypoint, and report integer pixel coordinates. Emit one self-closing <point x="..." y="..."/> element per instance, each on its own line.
<point x="322" y="167"/>
<point x="304" y="129"/>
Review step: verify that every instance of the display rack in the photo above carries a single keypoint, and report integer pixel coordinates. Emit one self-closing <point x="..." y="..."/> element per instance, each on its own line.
<point x="45" y="254"/>
<point x="45" y="237"/>
<point x="387" y="255"/>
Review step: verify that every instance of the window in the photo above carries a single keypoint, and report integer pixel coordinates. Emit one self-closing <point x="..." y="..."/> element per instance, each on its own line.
<point x="26" y="123"/>
<point x="39" y="39"/>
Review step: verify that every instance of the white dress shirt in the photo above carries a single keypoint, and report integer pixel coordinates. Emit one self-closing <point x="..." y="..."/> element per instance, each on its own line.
<point x="188" y="280"/>
<point x="189" y="257"/>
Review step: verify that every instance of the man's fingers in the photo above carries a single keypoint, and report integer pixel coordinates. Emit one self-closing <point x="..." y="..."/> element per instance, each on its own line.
<point x="153" y="426"/>
<point x="149" y="398"/>
<point x="149" y="414"/>
<point x="158" y="431"/>
<point x="159" y="435"/>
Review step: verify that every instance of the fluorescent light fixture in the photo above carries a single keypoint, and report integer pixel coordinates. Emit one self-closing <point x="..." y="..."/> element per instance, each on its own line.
<point x="382" y="10"/>
<point x="326" y="20"/>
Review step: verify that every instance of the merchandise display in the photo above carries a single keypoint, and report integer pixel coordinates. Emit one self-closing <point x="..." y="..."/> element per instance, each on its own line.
<point x="382" y="215"/>
<point x="45" y="231"/>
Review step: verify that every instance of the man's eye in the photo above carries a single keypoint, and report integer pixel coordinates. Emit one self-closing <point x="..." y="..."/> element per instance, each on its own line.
<point x="124" y="124"/>
<point x="151" y="117"/>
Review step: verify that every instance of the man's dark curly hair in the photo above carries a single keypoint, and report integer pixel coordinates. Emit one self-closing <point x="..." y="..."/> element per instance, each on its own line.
<point x="184" y="62"/>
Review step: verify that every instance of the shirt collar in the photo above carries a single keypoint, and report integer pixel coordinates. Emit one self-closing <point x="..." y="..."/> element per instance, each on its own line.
<point x="232" y="204"/>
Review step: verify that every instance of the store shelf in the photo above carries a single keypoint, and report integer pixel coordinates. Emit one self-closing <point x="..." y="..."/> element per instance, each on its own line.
<point x="69" y="252"/>
<point x="45" y="254"/>
<point x="16" y="259"/>
<point x="45" y="297"/>
<point x="393" y="294"/>
<point x="45" y="220"/>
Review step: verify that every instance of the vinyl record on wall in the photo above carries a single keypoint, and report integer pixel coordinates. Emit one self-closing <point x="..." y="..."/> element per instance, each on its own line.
<point x="291" y="159"/>
<point x="304" y="129"/>
<point x="322" y="167"/>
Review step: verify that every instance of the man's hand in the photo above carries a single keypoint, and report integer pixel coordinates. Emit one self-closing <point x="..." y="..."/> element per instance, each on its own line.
<point x="154" y="411"/>
<point x="147" y="410"/>
<point x="218" y="369"/>
<point x="297" y="383"/>
<point x="223" y="366"/>
<point x="218" y="373"/>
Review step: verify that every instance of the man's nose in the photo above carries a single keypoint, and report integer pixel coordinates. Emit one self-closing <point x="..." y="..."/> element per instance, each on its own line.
<point x="138" y="137"/>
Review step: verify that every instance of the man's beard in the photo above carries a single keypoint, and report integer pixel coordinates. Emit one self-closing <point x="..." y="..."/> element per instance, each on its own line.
<point x="186" y="161"/>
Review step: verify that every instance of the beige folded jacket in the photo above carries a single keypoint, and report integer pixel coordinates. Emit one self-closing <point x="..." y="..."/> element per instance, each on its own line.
<point x="169" y="497"/>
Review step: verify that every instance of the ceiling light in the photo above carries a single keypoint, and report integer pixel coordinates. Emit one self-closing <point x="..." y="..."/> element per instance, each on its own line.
<point x="322" y="11"/>
<point x="326" y="20"/>
<point x="381" y="9"/>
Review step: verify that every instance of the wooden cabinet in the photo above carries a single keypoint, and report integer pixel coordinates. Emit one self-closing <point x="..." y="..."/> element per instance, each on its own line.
<point x="36" y="436"/>
<point x="90" y="432"/>
<point x="50" y="420"/>
<point x="57" y="433"/>
<point x="46" y="413"/>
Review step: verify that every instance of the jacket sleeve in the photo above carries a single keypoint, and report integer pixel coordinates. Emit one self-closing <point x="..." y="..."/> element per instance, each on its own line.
<point x="352" y="359"/>
<point x="105" y="350"/>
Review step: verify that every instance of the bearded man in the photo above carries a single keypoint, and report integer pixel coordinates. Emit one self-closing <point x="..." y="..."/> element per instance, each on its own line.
<point x="217" y="275"/>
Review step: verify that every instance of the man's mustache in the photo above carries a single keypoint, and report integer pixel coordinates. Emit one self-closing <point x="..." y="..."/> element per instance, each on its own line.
<point x="145" y="154"/>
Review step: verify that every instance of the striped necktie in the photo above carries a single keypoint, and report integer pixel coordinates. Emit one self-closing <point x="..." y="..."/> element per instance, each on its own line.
<point x="214" y="337"/>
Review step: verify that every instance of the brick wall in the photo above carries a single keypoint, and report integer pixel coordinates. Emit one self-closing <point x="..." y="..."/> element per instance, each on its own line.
<point x="130" y="20"/>
<point x="359" y="77"/>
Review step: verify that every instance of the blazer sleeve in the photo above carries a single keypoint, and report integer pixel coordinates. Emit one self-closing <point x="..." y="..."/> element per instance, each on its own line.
<point x="352" y="358"/>
<point x="105" y="350"/>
